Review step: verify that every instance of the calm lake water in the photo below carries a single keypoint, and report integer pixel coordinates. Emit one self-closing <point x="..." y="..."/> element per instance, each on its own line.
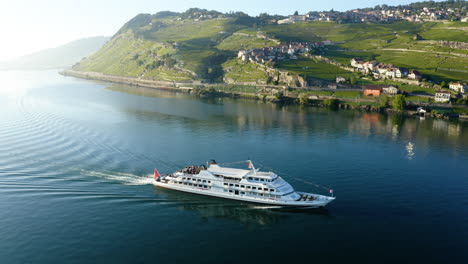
<point x="76" y="158"/>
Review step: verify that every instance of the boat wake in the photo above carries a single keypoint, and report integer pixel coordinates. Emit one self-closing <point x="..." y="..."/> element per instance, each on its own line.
<point x="122" y="177"/>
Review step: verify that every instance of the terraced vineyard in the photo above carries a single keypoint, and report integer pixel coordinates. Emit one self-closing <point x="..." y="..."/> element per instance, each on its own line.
<point x="172" y="47"/>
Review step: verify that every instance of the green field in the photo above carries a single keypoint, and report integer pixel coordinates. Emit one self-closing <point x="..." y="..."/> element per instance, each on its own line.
<point x="388" y="43"/>
<point x="417" y="99"/>
<point x="244" y="72"/>
<point x="313" y="69"/>
<point x="238" y="42"/>
<point x="348" y="94"/>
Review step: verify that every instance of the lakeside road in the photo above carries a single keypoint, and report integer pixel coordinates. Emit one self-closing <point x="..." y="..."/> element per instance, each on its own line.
<point x="184" y="87"/>
<point x="178" y="85"/>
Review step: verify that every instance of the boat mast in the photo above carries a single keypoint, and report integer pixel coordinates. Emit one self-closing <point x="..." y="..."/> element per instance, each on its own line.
<point x="252" y="166"/>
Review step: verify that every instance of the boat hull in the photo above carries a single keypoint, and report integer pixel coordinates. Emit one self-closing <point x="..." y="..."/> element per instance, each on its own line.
<point x="320" y="202"/>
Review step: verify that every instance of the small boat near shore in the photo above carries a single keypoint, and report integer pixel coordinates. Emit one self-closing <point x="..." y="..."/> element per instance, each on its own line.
<point x="249" y="185"/>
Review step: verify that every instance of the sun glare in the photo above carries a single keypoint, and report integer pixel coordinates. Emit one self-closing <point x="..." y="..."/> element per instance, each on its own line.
<point x="12" y="86"/>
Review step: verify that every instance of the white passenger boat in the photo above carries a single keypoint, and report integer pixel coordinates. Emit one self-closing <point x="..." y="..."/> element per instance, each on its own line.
<point x="239" y="184"/>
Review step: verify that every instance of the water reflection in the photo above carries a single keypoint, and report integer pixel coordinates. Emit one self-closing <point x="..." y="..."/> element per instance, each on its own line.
<point x="246" y="213"/>
<point x="410" y="150"/>
<point x="229" y="114"/>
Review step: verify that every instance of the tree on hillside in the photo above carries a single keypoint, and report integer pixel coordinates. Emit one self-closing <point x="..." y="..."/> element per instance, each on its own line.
<point x="443" y="84"/>
<point x="384" y="101"/>
<point x="352" y="80"/>
<point x="296" y="13"/>
<point x="303" y="99"/>
<point x="331" y="103"/>
<point x="399" y="102"/>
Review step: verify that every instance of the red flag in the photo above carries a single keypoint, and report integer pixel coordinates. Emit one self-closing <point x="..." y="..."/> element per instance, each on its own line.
<point x="249" y="165"/>
<point x="156" y="174"/>
<point x="331" y="191"/>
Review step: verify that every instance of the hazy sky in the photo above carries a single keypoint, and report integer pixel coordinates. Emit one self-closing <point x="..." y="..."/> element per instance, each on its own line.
<point x="30" y="25"/>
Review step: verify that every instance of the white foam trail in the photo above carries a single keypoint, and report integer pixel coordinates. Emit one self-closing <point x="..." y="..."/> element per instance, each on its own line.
<point x="125" y="178"/>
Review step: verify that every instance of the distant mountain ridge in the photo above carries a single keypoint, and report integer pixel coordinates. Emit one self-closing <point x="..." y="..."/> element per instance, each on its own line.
<point x="60" y="57"/>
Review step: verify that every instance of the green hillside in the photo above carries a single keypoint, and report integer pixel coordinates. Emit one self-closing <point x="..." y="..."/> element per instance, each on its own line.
<point x="203" y="45"/>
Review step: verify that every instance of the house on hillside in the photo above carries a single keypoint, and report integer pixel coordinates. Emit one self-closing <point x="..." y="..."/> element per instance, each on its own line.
<point x="401" y="72"/>
<point x="245" y="58"/>
<point x="414" y="75"/>
<point x="373" y="90"/>
<point x="285" y="21"/>
<point x="442" y="96"/>
<point x="390" y="90"/>
<point x="370" y="65"/>
<point x="357" y="63"/>
<point x="391" y="73"/>
<point x="458" y="86"/>
<point x="298" y="18"/>
<point x="340" y="79"/>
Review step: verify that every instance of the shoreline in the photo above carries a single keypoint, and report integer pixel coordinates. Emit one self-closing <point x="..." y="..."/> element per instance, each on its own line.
<point x="208" y="90"/>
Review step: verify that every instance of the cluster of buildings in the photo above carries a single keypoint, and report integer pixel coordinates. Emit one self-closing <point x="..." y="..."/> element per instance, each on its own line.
<point x="458" y="87"/>
<point x="279" y="52"/>
<point x="444" y="96"/>
<point x="383" y="70"/>
<point x="382" y="15"/>
<point x="377" y="90"/>
<point x="440" y="96"/>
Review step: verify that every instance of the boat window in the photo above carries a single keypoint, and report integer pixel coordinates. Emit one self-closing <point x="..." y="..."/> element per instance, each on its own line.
<point x="242" y="186"/>
<point x="231" y="184"/>
<point x="262" y="179"/>
<point x="204" y="180"/>
<point x="242" y="192"/>
<point x="265" y="189"/>
<point x="237" y="185"/>
<point x="226" y="184"/>
<point x="248" y="186"/>
<point x="254" y="188"/>
<point x="272" y="190"/>
<point x="250" y="178"/>
<point x="209" y="181"/>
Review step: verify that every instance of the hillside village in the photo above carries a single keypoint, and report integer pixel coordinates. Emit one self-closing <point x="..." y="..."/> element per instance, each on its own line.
<point x="202" y="48"/>
<point x="279" y="52"/>
<point x="377" y="70"/>
<point x="385" y="14"/>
